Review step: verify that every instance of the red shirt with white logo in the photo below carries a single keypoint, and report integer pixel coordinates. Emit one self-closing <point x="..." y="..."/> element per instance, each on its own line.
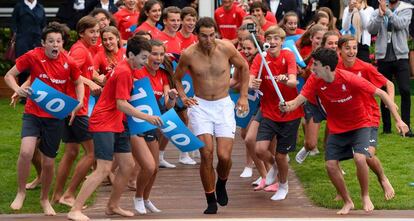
<point x="284" y="64"/>
<point x="229" y="21"/>
<point x="369" y="72"/>
<point x="105" y="64"/>
<point x="56" y="73"/>
<point x="105" y="116"/>
<point x="344" y="100"/>
<point x="94" y="49"/>
<point x="158" y="81"/>
<point x="83" y="59"/>
<point x="154" y="31"/>
<point x="172" y="44"/>
<point x="186" y="42"/>
<point x="125" y="19"/>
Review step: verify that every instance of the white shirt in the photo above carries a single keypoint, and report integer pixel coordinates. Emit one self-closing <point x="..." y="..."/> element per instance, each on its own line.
<point x="105" y="6"/>
<point x="365" y="15"/>
<point x="274" y="4"/>
<point x="31" y="5"/>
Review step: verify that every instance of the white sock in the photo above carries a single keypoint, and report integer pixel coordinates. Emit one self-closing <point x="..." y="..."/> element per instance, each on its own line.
<point x="148" y="204"/>
<point x="281" y="192"/>
<point x="184" y="155"/>
<point x="271" y="175"/>
<point x="139" y="205"/>
<point x="162" y="155"/>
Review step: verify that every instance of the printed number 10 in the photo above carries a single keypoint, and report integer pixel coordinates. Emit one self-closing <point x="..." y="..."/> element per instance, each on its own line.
<point x="54" y="105"/>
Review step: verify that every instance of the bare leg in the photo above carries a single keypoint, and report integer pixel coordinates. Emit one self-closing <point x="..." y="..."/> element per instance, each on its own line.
<point x="250" y="141"/>
<point x="126" y="164"/>
<point x="153" y="147"/>
<point x="37" y="163"/>
<point x="311" y="135"/>
<point x="375" y="165"/>
<point x="362" y="173"/>
<point x="82" y="168"/>
<point x="337" y="179"/>
<point x="47" y="177"/>
<point x="103" y="168"/>
<point x="65" y="165"/>
<point x="207" y="173"/>
<point x="27" y="148"/>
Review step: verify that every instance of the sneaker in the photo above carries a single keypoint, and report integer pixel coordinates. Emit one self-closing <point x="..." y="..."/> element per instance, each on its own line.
<point x="196" y="154"/>
<point x="257" y="182"/>
<point x="247" y="172"/>
<point x="301" y="155"/>
<point x="314" y="152"/>
<point x="272" y="188"/>
<point x="139" y="206"/>
<point x="165" y="164"/>
<point x="186" y="159"/>
<point x="148" y="205"/>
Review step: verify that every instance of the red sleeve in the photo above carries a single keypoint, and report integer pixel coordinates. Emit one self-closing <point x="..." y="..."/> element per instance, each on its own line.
<point x="123" y="87"/>
<point x="376" y="78"/>
<point x="165" y="81"/>
<point x="309" y="89"/>
<point x="24" y="62"/>
<point x="255" y="67"/>
<point x="291" y="63"/>
<point x="78" y="56"/>
<point x="241" y="14"/>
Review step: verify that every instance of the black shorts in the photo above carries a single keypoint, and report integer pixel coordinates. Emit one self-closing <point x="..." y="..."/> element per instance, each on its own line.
<point x="49" y="130"/>
<point x="285" y="132"/>
<point x="78" y="131"/>
<point x="343" y="146"/>
<point x="151" y="135"/>
<point x="313" y="111"/>
<point x="108" y="143"/>
<point x="373" y="137"/>
<point x="258" y="117"/>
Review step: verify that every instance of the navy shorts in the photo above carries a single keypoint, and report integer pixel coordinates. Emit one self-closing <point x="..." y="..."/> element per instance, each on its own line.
<point x="286" y="133"/>
<point x="373" y="137"/>
<point x="49" y="130"/>
<point x="78" y="131"/>
<point x="343" y="146"/>
<point x="258" y="117"/>
<point x="313" y="111"/>
<point x="151" y="135"/>
<point x="108" y="143"/>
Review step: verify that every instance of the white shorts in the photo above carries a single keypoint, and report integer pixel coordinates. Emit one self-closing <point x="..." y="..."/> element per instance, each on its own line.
<point x="213" y="117"/>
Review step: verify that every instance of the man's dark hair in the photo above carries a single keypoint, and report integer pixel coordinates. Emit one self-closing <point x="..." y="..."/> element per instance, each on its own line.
<point x="326" y="56"/>
<point x="172" y="10"/>
<point x="188" y="11"/>
<point x="56" y="27"/>
<point x="136" y="44"/>
<point x="147" y="7"/>
<point x="205" y="22"/>
<point x="260" y="5"/>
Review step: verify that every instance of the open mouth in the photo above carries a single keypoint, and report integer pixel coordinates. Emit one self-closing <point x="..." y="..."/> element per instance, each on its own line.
<point x="55" y="52"/>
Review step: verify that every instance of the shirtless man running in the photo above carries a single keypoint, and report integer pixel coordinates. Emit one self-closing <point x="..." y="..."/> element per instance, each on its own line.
<point x="211" y="111"/>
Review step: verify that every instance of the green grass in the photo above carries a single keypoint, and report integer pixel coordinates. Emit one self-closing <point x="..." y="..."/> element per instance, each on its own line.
<point x="397" y="158"/>
<point x="10" y="127"/>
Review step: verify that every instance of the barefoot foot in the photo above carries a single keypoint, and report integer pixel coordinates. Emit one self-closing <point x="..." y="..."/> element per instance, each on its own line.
<point x="346" y="208"/>
<point x="69" y="201"/>
<point x="338" y="197"/>
<point x="18" y="201"/>
<point x="367" y="204"/>
<point x="47" y="208"/>
<point x="388" y="189"/>
<point x="77" y="216"/>
<point x="119" y="211"/>
<point x="32" y="185"/>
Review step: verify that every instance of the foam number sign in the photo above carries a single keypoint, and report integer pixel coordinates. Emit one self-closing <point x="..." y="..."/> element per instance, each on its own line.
<point x="290" y="45"/>
<point x="187" y="82"/>
<point x="51" y="100"/>
<point x="143" y="99"/>
<point x="178" y="133"/>
<point x="294" y="38"/>
<point x="91" y="104"/>
<point x="253" y="105"/>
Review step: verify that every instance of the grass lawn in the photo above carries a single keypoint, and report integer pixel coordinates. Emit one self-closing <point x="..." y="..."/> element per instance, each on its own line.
<point x="397" y="157"/>
<point x="10" y="121"/>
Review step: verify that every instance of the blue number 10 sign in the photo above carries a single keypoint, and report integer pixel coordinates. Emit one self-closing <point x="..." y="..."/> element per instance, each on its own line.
<point x="51" y="100"/>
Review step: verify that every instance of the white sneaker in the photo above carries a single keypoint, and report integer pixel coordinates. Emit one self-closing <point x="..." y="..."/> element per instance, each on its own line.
<point x="301" y="155"/>
<point x="257" y="182"/>
<point x="271" y="175"/>
<point x="186" y="159"/>
<point x="247" y="172"/>
<point x="314" y="152"/>
<point x="139" y="205"/>
<point x="165" y="164"/>
<point x="281" y="192"/>
<point x="196" y="154"/>
<point x="148" y="204"/>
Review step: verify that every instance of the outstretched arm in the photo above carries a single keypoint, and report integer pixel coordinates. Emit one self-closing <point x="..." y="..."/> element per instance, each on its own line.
<point x="292" y="104"/>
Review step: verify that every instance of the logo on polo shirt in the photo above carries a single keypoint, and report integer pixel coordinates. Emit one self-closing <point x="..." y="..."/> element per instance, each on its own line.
<point x="43" y="61"/>
<point x="323" y="88"/>
<point x="359" y="74"/>
<point x="65" y="65"/>
<point x="343" y="87"/>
